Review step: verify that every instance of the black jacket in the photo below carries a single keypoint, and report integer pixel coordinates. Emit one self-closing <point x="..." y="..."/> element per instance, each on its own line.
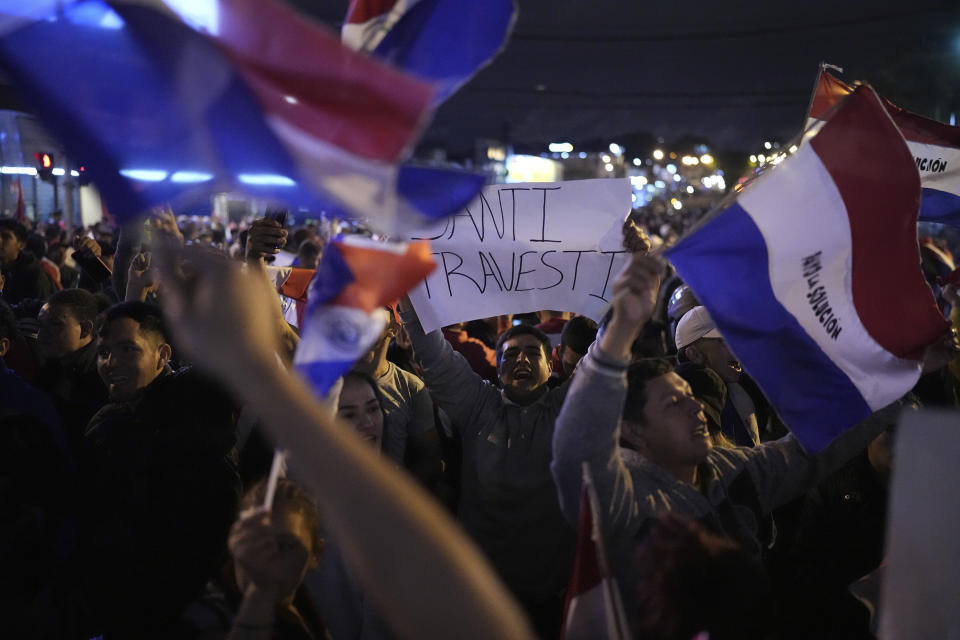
<point x="26" y="279"/>
<point x="162" y="495"/>
<point x="76" y="389"/>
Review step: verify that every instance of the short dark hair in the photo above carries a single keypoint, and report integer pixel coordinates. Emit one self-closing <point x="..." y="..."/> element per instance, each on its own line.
<point x="638" y="375"/>
<point x="8" y="322"/>
<point x="291" y="497"/>
<point x="522" y="330"/>
<point x="37" y="245"/>
<point x="82" y="303"/>
<point x="578" y="334"/>
<point x="148" y="316"/>
<point x="18" y="229"/>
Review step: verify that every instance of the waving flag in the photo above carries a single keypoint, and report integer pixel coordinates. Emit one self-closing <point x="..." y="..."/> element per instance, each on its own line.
<point x="166" y="105"/>
<point x="442" y="41"/>
<point x="355" y="279"/>
<point x="935" y="148"/>
<point x="813" y="274"/>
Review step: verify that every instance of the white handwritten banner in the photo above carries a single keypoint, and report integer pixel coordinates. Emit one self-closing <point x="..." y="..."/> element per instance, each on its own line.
<point x="526" y="247"/>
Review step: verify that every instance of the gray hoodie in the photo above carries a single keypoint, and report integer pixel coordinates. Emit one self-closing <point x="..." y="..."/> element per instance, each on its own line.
<point x="508" y="501"/>
<point x="740" y="486"/>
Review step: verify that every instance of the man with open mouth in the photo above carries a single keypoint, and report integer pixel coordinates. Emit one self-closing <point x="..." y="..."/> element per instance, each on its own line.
<point x="507" y="502"/>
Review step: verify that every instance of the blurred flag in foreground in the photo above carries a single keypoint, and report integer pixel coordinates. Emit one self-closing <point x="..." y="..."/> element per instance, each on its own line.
<point x="593" y="609"/>
<point x="21" y="212"/>
<point x="935" y="147"/>
<point x="444" y="42"/>
<point x="355" y="279"/>
<point x="813" y="274"/>
<point x="172" y="101"/>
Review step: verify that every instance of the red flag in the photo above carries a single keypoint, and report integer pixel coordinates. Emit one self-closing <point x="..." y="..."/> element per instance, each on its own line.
<point x="21" y="211"/>
<point x="593" y="608"/>
<point x="935" y="148"/>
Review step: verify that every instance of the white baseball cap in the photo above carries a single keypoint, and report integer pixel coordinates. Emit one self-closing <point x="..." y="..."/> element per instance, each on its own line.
<point x="694" y="325"/>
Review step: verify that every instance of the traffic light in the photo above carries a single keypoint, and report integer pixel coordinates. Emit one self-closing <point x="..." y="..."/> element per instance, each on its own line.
<point x="84" y="178"/>
<point x="44" y="165"/>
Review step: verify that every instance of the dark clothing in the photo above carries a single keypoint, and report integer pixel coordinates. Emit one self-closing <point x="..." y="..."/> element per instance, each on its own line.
<point x="76" y="389"/>
<point x="483" y="332"/>
<point x="163" y="492"/>
<point x="37" y="476"/>
<point x="17" y="397"/>
<point x="839" y="539"/>
<point x="69" y="277"/>
<point x="26" y="279"/>
<point x="743" y="433"/>
<point x="212" y="616"/>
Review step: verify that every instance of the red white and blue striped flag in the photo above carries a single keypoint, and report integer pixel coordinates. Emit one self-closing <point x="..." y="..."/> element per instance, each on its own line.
<point x="172" y="101"/>
<point x="444" y="42"/>
<point x="813" y="274"/>
<point x="355" y="279"/>
<point x="935" y="147"/>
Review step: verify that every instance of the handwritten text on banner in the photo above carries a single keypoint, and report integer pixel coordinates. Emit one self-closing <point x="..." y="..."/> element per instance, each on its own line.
<point x="526" y="247"/>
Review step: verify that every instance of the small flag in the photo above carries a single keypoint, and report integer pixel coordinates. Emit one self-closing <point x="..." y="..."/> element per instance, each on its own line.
<point x="175" y="102"/>
<point x="813" y="274"/>
<point x="355" y="279"/>
<point x="593" y="609"/>
<point x="21" y="214"/>
<point x="935" y="148"/>
<point x="444" y="42"/>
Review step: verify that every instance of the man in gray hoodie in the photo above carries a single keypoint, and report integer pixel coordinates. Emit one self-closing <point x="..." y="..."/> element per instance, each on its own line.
<point x="645" y="439"/>
<point x="508" y="502"/>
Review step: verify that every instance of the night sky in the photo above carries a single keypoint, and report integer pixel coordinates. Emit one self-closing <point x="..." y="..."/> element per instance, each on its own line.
<point x="737" y="73"/>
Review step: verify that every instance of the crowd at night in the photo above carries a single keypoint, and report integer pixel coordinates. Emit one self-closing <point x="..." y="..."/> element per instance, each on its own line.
<point x="271" y="368"/>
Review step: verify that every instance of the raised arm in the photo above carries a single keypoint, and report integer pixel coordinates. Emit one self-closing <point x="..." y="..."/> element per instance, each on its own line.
<point x="782" y="470"/>
<point x="222" y="318"/>
<point x="453" y="384"/>
<point x="588" y="427"/>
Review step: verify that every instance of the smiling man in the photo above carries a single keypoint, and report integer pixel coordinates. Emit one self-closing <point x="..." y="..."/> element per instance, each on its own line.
<point x="645" y="440"/>
<point x="132" y="350"/>
<point x="162" y="483"/>
<point x="508" y="503"/>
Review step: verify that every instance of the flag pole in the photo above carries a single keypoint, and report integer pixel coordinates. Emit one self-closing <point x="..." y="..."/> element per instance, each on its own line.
<point x="813" y="95"/>
<point x="616" y="616"/>
<point x="823" y="66"/>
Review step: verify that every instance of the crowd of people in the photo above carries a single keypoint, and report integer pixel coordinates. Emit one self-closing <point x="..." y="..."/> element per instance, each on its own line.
<point x="147" y="394"/>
